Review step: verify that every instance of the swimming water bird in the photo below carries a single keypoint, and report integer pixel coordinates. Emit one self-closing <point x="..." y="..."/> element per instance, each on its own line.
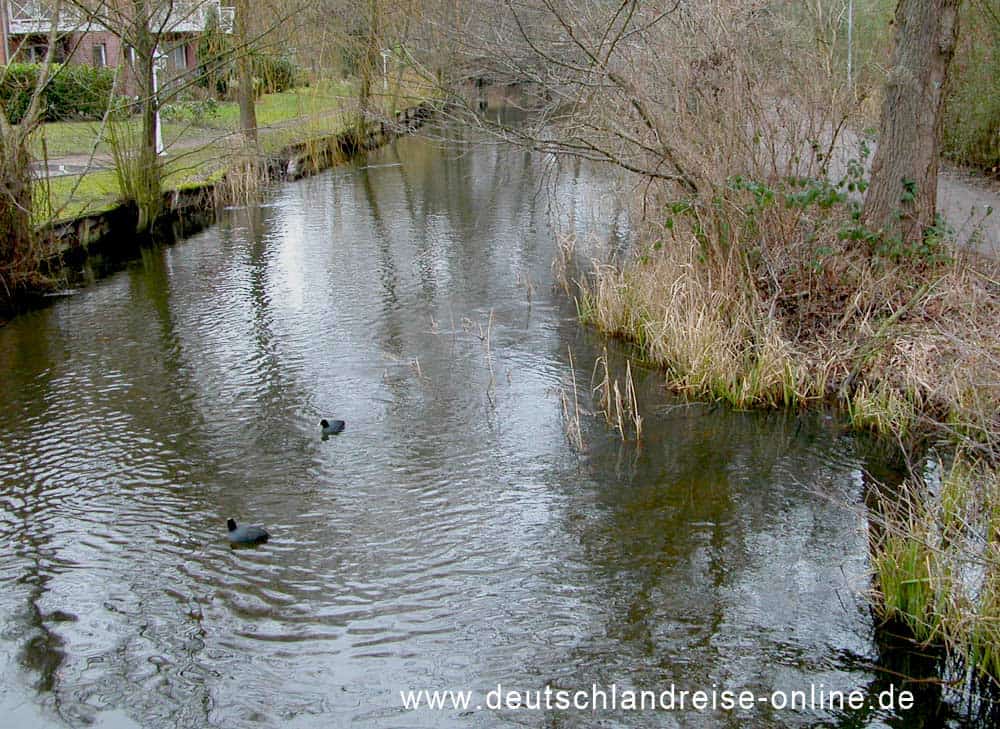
<point x="246" y="534"/>
<point x="331" y="427"/>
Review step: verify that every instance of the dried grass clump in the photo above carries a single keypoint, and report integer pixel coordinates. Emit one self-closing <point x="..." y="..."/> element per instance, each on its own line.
<point x="941" y="355"/>
<point x="618" y="403"/>
<point x="138" y="167"/>
<point x="24" y="250"/>
<point x="569" y="397"/>
<point x="243" y="183"/>
<point x="909" y="347"/>
<point x="705" y="325"/>
<point x="246" y="177"/>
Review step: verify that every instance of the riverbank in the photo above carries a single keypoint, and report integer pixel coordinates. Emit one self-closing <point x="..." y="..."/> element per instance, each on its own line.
<point x="190" y="207"/>
<point x="80" y="235"/>
<point x="75" y="163"/>
<point x="773" y="297"/>
<point x="409" y="295"/>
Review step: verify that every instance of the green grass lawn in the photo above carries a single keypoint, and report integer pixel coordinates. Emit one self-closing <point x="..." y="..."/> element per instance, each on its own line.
<point x="309" y="101"/>
<point x="75" y="195"/>
<point x="197" y="150"/>
<point x="61" y="139"/>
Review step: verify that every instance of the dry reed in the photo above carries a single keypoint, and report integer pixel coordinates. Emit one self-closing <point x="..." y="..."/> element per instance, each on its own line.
<point x="755" y="285"/>
<point x="619" y="411"/>
<point x="571" y="407"/>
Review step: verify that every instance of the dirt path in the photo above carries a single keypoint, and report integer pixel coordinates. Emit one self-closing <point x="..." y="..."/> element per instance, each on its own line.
<point x="964" y="200"/>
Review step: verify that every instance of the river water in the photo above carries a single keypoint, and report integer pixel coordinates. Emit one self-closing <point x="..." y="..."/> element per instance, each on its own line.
<point x="452" y="537"/>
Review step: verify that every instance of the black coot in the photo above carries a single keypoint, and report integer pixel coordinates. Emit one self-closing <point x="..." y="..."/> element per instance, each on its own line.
<point x="246" y="534"/>
<point x="331" y="427"/>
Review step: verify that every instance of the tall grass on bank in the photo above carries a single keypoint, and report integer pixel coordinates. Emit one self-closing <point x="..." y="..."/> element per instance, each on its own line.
<point x="936" y="557"/>
<point x="705" y="326"/>
<point x="906" y="342"/>
<point x="246" y="175"/>
<point x="789" y="307"/>
<point x="758" y="286"/>
<point x="137" y="167"/>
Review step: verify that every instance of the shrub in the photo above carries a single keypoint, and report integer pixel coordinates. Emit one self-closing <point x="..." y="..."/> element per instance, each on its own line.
<point x="78" y="92"/>
<point x="15" y="89"/>
<point x="215" y="63"/>
<point x="272" y="75"/>
<point x="193" y="112"/>
<point x="276" y="74"/>
<point x="74" y="91"/>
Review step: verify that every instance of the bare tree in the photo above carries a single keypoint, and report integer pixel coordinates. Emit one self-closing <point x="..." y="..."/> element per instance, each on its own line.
<point x="141" y="24"/>
<point x="590" y="69"/>
<point x="247" y="91"/>
<point x="369" y="57"/>
<point x="18" y="237"/>
<point x="145" y="28"/>
<point x="902" y="197"/>
<point x="684" y="95"/>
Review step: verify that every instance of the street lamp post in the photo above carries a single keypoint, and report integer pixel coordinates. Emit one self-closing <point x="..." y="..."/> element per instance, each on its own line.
<point x="4" y="30"/>
<point x="158" y="57"/>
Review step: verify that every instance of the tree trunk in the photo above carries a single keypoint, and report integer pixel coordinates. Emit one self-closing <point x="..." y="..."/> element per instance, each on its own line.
<point x="20" y="255"/>
<point x="902" y="196"/>
<point x="248" y="109"/>
<point x="16" y="225"/>
<point x="148" y="187"/>
<point x="368" y="69"/>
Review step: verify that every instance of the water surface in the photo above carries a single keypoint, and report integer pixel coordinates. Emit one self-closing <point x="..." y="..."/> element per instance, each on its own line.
<point x="452" y="537"/>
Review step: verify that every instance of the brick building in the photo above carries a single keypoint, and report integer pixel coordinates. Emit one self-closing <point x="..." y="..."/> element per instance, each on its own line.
<point x="25" y="27"/>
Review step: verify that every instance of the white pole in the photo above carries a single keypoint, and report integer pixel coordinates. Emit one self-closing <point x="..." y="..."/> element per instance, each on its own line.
<point x="385" y="69"/>
<point x="157" y="57"/>
<point x="850" y="44"/>
<point x="4" y="29"/>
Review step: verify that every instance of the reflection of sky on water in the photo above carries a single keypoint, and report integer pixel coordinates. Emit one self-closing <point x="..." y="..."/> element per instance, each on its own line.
<point x="451" y="537"/>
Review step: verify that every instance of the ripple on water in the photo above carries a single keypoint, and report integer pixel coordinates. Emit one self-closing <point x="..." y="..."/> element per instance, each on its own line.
<point x="450" y="537"/>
